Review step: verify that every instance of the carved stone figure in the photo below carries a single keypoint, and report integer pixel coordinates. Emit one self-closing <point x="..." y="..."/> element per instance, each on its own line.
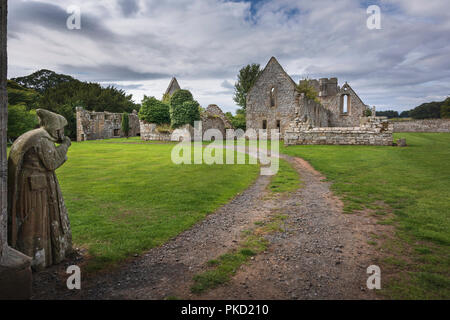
<point x="38" y="221"/>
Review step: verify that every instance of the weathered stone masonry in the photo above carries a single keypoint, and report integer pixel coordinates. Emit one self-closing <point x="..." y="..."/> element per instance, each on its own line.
<point x="212" y="118"/>
<point x="374" y="131"/>
<point x="426" y="125"/>
<point x="273" y="102"/>
<point x="93" y="125"/>
<point x="335" y="117"/>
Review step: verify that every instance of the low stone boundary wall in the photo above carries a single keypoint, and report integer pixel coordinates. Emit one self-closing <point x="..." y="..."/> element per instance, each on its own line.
<point x="373" y="131"/>
<point x="338" y="136"/>
<point x="149" y="132"/>
<point x="425" y="125"/>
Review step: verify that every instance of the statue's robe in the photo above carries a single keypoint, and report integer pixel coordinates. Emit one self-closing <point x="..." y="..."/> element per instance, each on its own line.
<point x="38" y="221"/>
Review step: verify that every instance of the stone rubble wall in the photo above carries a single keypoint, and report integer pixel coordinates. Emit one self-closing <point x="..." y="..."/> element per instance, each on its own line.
<point x="149" y="132"/>
<point x="425" y="125"/>
<point x="373" y="131"/>
<point x="212" y="118"/>
<point x="93" y="125"/>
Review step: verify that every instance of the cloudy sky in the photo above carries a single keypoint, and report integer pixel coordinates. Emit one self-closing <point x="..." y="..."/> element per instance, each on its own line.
<point x="138" y="45"/>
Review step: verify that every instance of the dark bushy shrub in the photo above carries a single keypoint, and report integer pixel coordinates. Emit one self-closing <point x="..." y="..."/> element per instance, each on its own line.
<point x="125" y="124"/>
<point x="186" y="113"/>
<point x="154" y="111"/>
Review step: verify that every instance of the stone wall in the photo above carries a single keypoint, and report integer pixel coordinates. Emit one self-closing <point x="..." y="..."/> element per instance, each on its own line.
<point x="373" y="131"/>
<point x="281" y="110"/>
<point x="273" y="102"/>
<point x="426" y="125"/>
<point x="313" y="112"/>
<point x="334" y="103"/>
<point x="93" y="125"/>
<point x="149" y="131"/>
<point x="214" y="118"/>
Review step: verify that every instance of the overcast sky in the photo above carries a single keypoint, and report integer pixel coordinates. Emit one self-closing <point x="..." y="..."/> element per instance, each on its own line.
<point x="138" y="45"/>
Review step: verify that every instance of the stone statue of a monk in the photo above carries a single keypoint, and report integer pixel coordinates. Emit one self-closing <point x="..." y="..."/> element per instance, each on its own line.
<point x="38" y="221"/>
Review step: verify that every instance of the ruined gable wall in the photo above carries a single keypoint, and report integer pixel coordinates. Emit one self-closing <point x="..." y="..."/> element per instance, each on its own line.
<point x="334" y="104"/>
<point x="93" y="125"/>
<point x="258" y="100"/>
<point x="214" y="118"/>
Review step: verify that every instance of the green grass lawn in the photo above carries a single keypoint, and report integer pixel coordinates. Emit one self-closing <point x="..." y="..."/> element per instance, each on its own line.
<point x="124" y="198"/>
<point x="413" y="184"/>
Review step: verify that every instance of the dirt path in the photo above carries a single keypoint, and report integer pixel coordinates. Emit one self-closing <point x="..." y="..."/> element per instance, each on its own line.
<point x="322" y="253"/>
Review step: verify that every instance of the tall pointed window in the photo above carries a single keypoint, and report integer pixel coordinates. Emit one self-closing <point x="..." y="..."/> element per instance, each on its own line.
<point x="272" y="97"/>
<point x="345" y="100"/>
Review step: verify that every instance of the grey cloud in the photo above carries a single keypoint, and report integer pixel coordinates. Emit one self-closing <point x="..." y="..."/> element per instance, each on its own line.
<point x="227" y="85"/>
<point x="26" y="15"/>
<point x="123" y="86"/>
<point x="109" y="72"/>
<point x="129" y="7"/>
<point x="212" y="39"/>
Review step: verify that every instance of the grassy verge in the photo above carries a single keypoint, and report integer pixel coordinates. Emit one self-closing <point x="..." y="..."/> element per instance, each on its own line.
<point x="413" y="183"/>
<point x="287" y="179"/>
<point x="223" y="268"/>
<point x="124" y="199"/>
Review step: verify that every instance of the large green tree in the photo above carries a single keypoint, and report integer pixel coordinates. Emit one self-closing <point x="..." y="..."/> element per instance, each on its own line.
<point x="42" y="80"/>
<point x="18" y="94"/>
<point x="238" y="121"/>
<point x="246" y="78"/>
<point x="445" y="109"/>
<point x="20" y="120"/>
<point x="183" y="109"/>
<point x="430" y="110"/>
<point x="154" y="111"/>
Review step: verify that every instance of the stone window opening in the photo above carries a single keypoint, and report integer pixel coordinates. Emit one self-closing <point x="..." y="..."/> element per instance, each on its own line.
<point x="264" y="124"/>
<point x="272" y="97"/>
<point x="116" y="133"/>
<point x="278" y="124"/>
<point x="345" y="104"/>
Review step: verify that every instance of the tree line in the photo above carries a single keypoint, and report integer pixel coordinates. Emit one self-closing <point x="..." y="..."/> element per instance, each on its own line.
<point x="61" y="94"/>
<point x="429" y="110"/>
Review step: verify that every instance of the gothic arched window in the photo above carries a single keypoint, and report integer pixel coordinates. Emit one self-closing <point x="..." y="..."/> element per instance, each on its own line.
<point x="345" y="104"/>
<point x="272" y="97"/>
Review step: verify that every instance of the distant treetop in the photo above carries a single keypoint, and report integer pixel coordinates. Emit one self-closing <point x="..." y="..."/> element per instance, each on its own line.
<point x="42" y="80"/>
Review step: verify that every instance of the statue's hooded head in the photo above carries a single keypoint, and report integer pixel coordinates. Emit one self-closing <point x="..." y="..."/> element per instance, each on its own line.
<point x="52" y="123"/>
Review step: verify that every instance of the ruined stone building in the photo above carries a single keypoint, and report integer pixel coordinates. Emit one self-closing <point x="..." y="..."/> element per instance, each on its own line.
<point x="173" y="86"/>
<point x="274" y="102"/>
<point x="212" y="118"/>
<point x="93" y="125"/>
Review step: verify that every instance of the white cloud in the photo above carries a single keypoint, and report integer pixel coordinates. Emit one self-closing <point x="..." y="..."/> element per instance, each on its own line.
<point x="205" y="43"/>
